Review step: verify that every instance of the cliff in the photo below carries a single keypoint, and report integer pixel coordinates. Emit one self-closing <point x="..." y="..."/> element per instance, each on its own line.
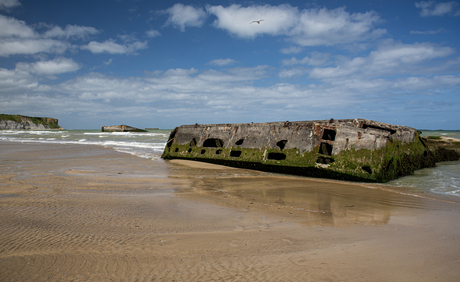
<point x="19" y="122"/>
<point x="351" y="149"/>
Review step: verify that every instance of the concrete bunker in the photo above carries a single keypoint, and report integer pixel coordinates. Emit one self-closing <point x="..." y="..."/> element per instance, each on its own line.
<point x="347" y="149"/>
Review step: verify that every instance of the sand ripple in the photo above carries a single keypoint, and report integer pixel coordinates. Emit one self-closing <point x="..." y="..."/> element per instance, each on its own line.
<point x="120" y="218"/>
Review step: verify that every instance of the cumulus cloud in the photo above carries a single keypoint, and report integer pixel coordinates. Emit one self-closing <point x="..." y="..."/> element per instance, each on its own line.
<point x="31" y="46"/>
<point x="71" y="31"/>
<point x="278" y="20"/>
<point x="391" y="59"/>
<point x="111" y="47"/>
<point x="291" y="50"/>
<point x="430" y="8"/>
<point x="152" y="33"/>
<point x="428" y="31"/>
<point x="182" y="16"/>
<point x="329" y="27"/>
<point x="286" y="73"/>
<point x="309" y="27"/>
<point x="11" y="27"/>
<point x="17" y="38"/>
<point x="7" y="4"/>
<point x="52" y="67"/>
<point x="222" y="62"/>
<point x="16" y="81"/>
<point x="199" y="93"/>
<point x="316" y="59"/>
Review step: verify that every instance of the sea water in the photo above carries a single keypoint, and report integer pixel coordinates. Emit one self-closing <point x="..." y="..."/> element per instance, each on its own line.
<point x="444" y="179"/>
<point x="148" y="144"/>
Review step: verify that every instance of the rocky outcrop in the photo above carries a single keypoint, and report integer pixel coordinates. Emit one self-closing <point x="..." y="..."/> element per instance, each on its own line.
<point x="351" y="149"/>
<point x="18" y="122"/>
<point x="121" y="128"/>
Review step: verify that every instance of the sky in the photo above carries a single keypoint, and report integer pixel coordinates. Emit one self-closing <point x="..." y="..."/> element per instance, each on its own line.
<point x="144" y="63"/>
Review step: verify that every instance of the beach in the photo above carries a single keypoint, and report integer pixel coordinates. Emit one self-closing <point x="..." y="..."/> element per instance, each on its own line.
<point x="87" y="213"/>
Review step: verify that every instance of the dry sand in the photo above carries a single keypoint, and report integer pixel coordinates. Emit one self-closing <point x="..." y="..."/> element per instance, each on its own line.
<point x="85" y="213"/>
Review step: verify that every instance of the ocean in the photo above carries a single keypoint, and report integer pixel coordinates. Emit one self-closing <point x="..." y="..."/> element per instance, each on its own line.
<point x="443" y="180"/>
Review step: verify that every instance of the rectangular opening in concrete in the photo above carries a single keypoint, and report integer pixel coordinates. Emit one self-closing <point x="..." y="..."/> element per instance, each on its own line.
<point x="281" y="144"/>
<point x="193" y="142"/>
<point x="235" y="154"/>
<point x="213" y="143"/>
<point x="276" y="156"/>
<point x="239" y="142"/>
<point x="329" y="134"/>
<point x="324" y="160"/>
<point x="218" y="152"/>
<point x="325" y="149"/>
<point x="367" y="169"/>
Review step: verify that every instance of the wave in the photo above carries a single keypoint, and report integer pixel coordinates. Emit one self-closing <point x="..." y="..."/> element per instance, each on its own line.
<point x="145" y="145"/>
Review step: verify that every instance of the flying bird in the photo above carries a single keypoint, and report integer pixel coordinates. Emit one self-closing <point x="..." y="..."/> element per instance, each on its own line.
<point x="256" y="21"/>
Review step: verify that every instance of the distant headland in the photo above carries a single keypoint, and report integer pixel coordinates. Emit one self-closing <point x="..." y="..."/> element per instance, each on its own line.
<point x="20" y="122"/>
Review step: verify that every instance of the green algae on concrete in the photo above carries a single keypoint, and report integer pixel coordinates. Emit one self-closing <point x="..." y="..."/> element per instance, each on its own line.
<point x="357" y="149"/>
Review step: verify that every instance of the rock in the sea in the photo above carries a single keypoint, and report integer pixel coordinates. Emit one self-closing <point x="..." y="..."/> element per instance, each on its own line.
<point x="121" y="128"/>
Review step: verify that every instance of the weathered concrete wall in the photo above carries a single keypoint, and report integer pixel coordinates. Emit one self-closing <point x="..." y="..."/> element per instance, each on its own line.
<point x="352" y="149"/>
<point x="121" y="128"/>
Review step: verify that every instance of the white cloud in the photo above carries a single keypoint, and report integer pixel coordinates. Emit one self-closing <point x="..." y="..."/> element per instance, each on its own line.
<point x="222" y="62"/>
<point x="53" y="67"/>
<point x="71" y="31"/>
<point x="316" y="59"/>
<point x="291" y="72"/>
<point x="31" y="46"/>
<point x="11" y="27"/>
<point x="182" y="16"/>
<point x="329" y="27"/>
<point x="16" y="81"/>
<point x="309" y="27"/>
<point x="6" y="4"/>
<point x="291" y="50"/>
<point x="111" y="47"/>
<point x="278" y="20"/>
<point x="428" y="31"/>
<point x="182" y="93"/>
<point x="18" y="38"/>
<point x="152" y="33"/>
<point x="391" y="59"/>
<point x="430" y="8"/>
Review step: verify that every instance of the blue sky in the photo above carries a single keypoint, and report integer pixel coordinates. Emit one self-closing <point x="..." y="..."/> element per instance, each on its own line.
<point x="165" y="63"/>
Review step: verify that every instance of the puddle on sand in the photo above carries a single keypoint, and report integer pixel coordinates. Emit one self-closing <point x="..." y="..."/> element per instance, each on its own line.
<point x="8" y="195"/>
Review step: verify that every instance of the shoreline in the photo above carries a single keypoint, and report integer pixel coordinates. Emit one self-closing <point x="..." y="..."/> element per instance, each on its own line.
<point x="72" y="212"/>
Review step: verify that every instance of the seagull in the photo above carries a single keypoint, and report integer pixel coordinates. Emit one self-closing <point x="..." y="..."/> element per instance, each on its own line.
<point x="256" y="21"/>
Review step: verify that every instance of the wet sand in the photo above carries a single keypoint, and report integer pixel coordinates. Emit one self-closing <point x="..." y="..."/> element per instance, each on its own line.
<point x="87" y="213"/>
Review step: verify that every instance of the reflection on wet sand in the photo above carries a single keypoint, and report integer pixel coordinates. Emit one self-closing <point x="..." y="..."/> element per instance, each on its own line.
<point x="318" y="204"/>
